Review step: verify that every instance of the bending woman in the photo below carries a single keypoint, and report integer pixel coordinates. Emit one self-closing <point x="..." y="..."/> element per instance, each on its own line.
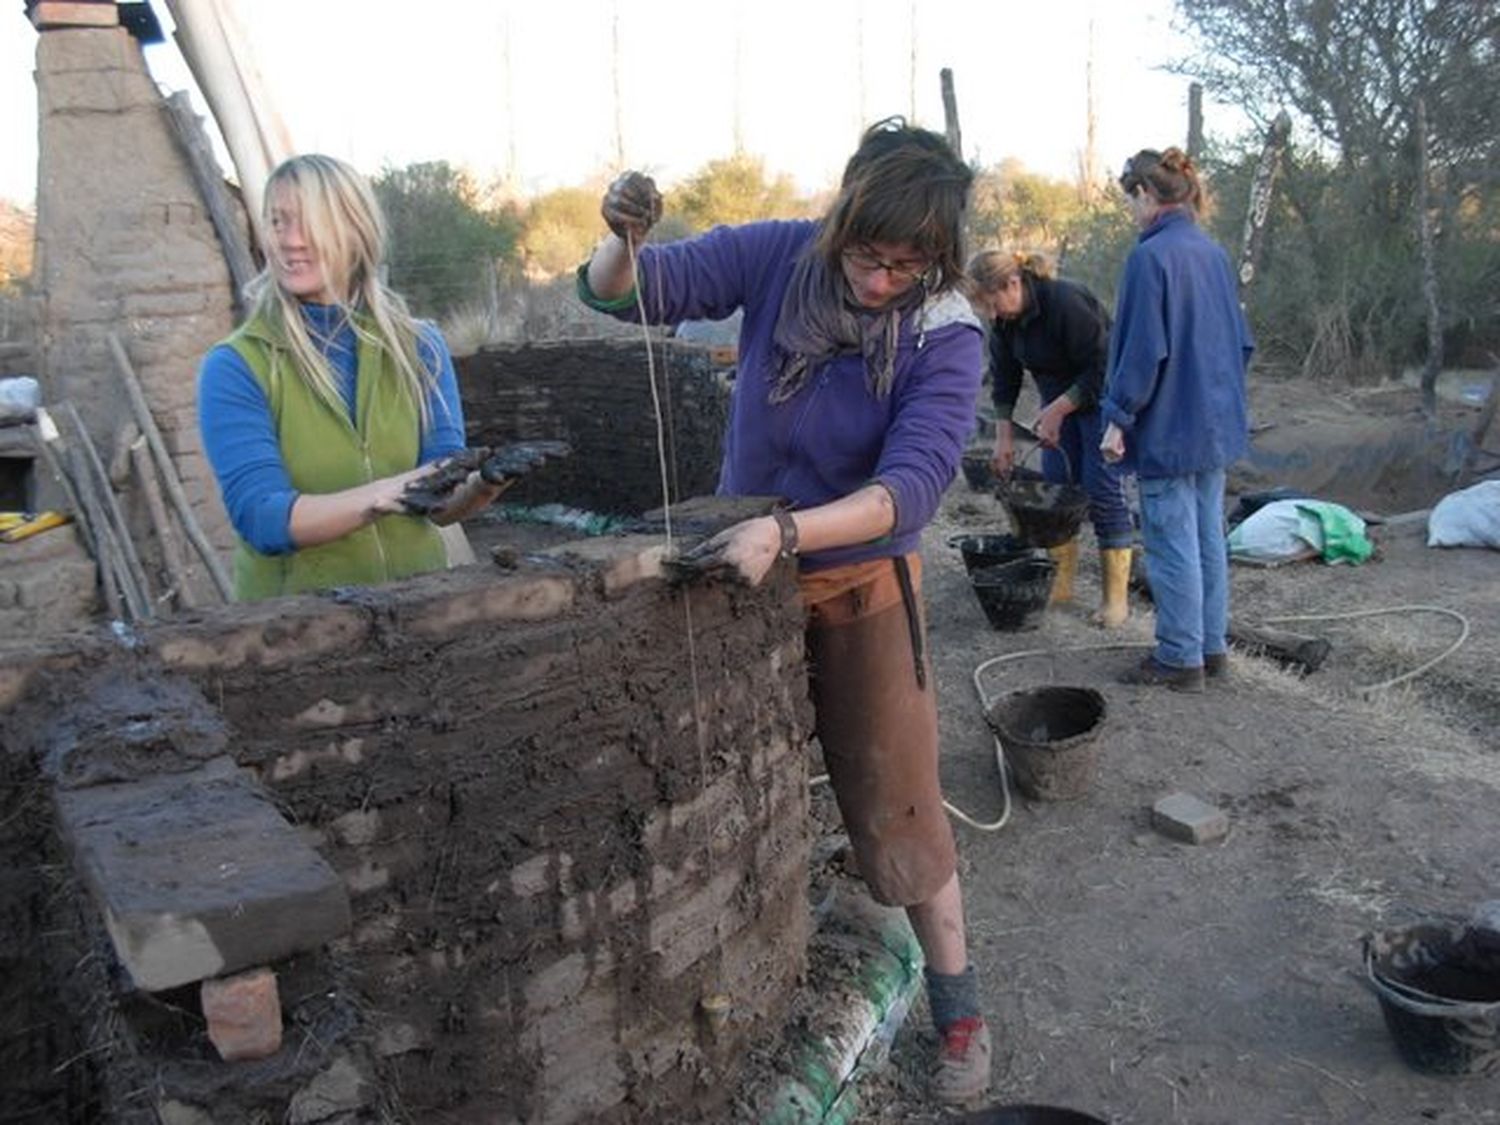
<point x="1176" y="412"/>
<point x="1057" y="330"/>
<point x="328" y="401"/>
<point x="859" y="366"/>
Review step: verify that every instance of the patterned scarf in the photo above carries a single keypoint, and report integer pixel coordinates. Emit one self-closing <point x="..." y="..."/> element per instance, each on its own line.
<point x="819" y="320"/>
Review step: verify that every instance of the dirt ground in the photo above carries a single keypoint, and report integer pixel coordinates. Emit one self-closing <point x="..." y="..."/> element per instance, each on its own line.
<point x="1149" y="981"/>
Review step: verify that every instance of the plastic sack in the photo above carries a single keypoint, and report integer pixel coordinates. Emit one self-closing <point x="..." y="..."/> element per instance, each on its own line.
<point x="1467" y="518"/>
<point x="1287" y="530"/>
<point x="19" y="398"/>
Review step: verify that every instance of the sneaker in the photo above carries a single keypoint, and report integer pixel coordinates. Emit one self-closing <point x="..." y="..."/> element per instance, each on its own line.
<point x="962" y="1074"/>
<point x="1151" y="672"/>
<point x="1215" y="665"/>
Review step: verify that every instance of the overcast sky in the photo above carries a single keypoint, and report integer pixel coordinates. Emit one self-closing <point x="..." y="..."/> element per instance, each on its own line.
<point x="527" y="88"/>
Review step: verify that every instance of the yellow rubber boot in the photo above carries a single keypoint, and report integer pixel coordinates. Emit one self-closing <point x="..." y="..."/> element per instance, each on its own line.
<point x="1114" y="566"/>
<point x="1066" y="558"/>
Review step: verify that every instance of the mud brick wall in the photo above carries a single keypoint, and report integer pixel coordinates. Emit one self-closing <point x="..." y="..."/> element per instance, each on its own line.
<point x="596" y="395"/>
<point x="562" y="825"/>
<point x="124" y="244"/>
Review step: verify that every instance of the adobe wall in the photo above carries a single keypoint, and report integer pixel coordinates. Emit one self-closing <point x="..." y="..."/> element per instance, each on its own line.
<point x="124" y="245"/>
<point x="596" y="395"/>
<point x="559" y="825"/>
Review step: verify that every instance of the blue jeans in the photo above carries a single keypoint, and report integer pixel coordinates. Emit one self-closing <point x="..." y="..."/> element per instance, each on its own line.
<point x="1079" y="438"/>
<point x="1187" y="564"/>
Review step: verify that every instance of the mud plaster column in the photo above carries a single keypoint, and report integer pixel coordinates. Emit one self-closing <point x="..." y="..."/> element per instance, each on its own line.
<point x="123" y="245"/>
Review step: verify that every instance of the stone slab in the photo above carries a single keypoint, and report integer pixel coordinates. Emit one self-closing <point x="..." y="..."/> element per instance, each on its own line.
<point x="1190" y="819"/>
<point x="197" y="875"/>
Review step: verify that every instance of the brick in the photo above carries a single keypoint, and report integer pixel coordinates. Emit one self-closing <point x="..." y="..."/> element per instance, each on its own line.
<point x="1185" y="817"/>
<point x="79" y="13"/>
<point x="243" y="1014"/>
<point x="196" y="875"/>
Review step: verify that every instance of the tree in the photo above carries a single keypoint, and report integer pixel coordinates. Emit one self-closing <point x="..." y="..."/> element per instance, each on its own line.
<point x="17" y="242"/>
<point x="734" y="190"/>
<point x="1014" y="207"/>
<point x="1341" y="271"/>
<point x="445" y="246"/>
<point x="559" y="230"/>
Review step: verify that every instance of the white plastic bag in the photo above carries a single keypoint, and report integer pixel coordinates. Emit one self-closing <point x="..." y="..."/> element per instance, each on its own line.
<point x="19" y="398"/>
<point x="1467" y="518"/>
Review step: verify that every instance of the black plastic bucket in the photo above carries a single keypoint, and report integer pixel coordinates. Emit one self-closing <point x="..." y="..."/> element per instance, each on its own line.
<point x="981" y="550"/>
<point x="1048" y="735"/>
<point x="1030" y="1115"/>
<point x="1439" y="992"/>
<point x="1013" y="595"/>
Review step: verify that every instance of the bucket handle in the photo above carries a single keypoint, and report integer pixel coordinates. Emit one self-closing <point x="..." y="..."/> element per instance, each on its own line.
<point x="1067" y="461"/>
<point x="1456" y="1009"/>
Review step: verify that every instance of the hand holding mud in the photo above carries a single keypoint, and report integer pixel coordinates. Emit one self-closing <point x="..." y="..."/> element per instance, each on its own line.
<point x="437" y="488"/>
<point x="746" y="550"/>
<point x="632" y="206"/>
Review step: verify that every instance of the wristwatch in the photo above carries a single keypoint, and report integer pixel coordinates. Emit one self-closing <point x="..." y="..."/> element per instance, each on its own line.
<point x="788" y="528"/>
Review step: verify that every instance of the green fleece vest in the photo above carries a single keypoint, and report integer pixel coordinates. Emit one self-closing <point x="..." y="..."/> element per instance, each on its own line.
<point x="324" y="453"/>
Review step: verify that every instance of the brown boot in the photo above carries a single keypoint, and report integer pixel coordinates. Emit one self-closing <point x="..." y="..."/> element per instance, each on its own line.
<point x="1114" y="575"/>
<point x="1065" y="555"/>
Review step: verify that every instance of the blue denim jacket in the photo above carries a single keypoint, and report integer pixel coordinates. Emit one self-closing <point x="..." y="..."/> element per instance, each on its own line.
<point x="1178" y="355"/>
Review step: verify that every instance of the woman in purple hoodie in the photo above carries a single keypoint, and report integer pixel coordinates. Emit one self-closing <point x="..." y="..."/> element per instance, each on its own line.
<point x="859" y="368"/>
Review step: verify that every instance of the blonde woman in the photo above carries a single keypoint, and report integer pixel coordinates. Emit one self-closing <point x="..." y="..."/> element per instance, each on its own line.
<point x="1058" y="331"/>
<point x="329" y="401"/>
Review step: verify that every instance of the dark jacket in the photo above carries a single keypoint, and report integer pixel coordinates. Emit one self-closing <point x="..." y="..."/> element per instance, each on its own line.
<point x="1061" y="337"/>
<point x="1177" y="362"/>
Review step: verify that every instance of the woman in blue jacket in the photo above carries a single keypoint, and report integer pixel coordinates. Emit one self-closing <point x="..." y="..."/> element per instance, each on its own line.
<point x="1175" y="406"/>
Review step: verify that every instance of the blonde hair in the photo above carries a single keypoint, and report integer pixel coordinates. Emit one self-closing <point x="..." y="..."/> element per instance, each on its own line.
<point x="342" y="222"/>
<point x="990" y="269"/>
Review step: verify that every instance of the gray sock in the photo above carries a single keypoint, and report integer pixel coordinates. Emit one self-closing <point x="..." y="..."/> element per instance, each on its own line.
<point x="951" y="996"/>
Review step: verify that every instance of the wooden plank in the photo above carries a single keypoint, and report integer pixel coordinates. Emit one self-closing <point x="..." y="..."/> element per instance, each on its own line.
<point x="223" y="212"/>
<point x="168" y="471"/>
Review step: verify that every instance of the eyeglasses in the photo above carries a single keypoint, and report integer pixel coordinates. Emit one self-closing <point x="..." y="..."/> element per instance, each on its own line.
<point x="907" y="272"/>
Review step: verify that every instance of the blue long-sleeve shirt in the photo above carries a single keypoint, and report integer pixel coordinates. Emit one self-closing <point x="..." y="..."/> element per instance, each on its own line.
<point x="239" y="434"/>
<point x="833" y="436"/>
<point x="1178" y="354"/>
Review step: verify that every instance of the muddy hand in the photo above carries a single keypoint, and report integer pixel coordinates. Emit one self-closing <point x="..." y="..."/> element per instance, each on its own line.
<point x="432" y="491"/>
<point x="506" y="465"/>
<point x="632" y="206"/>
<point x="706" y="560"/>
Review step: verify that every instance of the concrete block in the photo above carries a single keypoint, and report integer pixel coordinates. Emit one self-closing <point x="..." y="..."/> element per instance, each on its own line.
<point x="243" y="1014"/>
<point x="1185" y="817"/>
<point x="197" y="875"/>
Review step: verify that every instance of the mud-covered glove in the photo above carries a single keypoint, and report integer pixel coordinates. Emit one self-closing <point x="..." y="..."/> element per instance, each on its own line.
<point x="434" y="491"/>
<point x="703" y="561"/>
<point x="632" y="206"/>
<point x="506" y="465"/>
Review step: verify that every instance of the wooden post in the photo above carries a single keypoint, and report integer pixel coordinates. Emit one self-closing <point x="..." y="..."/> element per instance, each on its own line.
<point x="168" y="473"/>
<point x="1425" y="237"/>
<point x="91" y="474"/>
<point x="1195" y="120"/>
<point x="950" y="113"/>
<point x="1261" y="190"/>
<point x="221" y="207"/>
<point x="145" y="473"/>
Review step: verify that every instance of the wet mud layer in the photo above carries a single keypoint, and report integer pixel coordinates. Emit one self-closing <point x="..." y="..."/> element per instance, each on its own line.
<point x="560" y="827"/>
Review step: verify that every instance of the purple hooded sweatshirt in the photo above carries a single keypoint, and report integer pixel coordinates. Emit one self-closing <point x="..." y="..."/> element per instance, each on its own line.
<point x="833" y="436"/>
